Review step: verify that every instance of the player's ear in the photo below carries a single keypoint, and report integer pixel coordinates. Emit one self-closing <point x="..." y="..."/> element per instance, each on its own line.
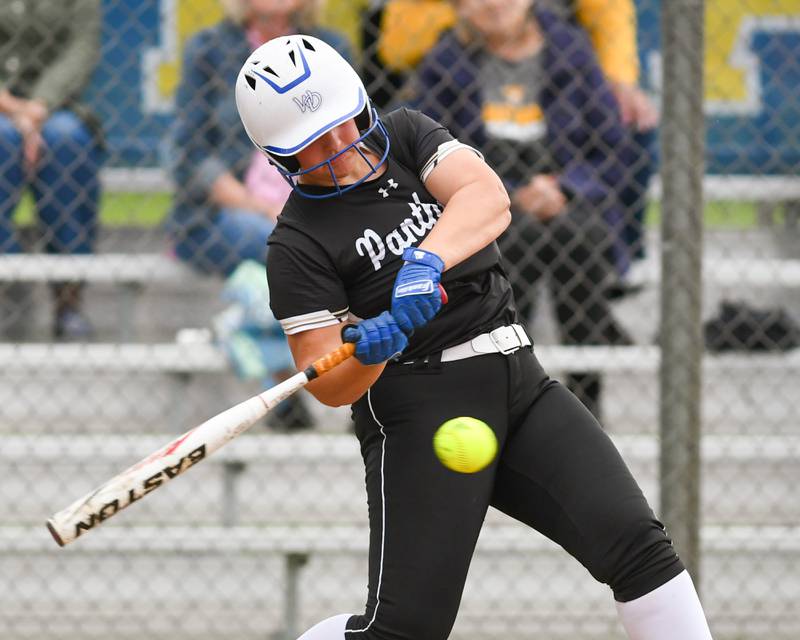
<point x="364" y="119"/>
<point x="289" y="164"/>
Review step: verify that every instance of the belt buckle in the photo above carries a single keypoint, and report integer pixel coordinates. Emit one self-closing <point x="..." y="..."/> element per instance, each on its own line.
<point x="506" y="340"/>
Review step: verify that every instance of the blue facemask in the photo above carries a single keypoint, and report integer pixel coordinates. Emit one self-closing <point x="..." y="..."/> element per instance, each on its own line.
<point x="292" y="177"/>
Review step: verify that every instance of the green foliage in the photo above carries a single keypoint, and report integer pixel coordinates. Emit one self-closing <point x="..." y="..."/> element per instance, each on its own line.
<point x="718" y="215"/>
<point x="117" y="209"/>
<point x="124" y="209"/>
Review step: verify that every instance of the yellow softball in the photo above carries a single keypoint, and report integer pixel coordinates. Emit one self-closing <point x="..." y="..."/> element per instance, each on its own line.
<point x="465" y="444"/>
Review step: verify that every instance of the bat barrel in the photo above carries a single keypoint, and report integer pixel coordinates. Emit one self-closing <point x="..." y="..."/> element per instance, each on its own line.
<point x="179" y="455"/>
<point x="149" y="474"/>
<point x="52" y="529"/>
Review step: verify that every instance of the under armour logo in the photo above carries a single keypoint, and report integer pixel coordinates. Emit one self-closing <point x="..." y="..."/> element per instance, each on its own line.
<point x="391" y="184"/>
<point x="310" y="100"/>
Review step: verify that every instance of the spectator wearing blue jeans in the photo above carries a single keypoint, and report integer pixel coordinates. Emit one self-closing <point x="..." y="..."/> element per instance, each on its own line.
<point x="236" y="235"/>
<point x="220" y="217"/>
<point x="50" y="142"/>
<point x="227" y="196"/>
<point x="64" y="183"/>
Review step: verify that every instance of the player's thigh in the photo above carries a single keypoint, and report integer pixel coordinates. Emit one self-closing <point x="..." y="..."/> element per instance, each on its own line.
<point x="424" y="518"/>
<point x="561" y="474"/>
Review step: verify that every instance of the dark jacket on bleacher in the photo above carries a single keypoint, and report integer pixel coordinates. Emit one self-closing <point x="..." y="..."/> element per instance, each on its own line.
<point x="592" y="151"/>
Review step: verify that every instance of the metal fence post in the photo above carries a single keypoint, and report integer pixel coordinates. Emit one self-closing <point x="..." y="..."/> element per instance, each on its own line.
<point x="682" y="143"/>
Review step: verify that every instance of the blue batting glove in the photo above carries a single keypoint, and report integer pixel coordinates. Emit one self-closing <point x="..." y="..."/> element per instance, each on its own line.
<point x="416" y="297"/>
<point x="377" y="339"/>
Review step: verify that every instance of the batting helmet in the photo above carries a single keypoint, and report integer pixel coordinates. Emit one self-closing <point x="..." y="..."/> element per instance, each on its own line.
<point x="294" y="89"/>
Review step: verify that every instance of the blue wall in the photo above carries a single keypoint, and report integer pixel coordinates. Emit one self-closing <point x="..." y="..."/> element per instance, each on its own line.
<point x="764" y="140"/>
<point x="117" y="88"/>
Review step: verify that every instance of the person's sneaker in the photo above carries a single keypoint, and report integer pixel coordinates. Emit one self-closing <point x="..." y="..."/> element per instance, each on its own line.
<point x="72" y="325"/>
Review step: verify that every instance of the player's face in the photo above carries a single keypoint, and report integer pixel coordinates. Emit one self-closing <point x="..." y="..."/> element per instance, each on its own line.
<point x="494" y="18"/>
<point x="348" y="167"/>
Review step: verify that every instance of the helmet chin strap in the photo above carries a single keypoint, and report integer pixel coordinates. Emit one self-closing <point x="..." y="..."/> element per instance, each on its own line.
<point x="293" y="178"/>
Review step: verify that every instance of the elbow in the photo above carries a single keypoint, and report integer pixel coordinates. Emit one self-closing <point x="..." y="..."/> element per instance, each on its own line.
<point x="501" y="222"/>
<point x="504" y="220"/>
<point x="338" y="400"/>
<point x="344" y="401"/>
<point x="335" y="398"/>
<point x="496" y="206"/>
<point x="503" y="207"/>
<point x="344" y="386"/>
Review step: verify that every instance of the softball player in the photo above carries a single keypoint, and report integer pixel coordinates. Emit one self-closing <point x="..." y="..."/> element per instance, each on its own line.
<point x="382" y="211"/>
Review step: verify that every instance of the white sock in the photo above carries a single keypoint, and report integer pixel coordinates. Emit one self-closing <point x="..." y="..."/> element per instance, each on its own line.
<point x="330" y="629"/>
<point x="671" y="611"/>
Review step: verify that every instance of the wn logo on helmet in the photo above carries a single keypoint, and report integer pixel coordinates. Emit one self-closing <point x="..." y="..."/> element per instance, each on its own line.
<point x="309" y="101"/>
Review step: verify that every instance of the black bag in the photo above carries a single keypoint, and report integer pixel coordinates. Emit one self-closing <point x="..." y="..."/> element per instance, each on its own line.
<point x="738" y="326"/>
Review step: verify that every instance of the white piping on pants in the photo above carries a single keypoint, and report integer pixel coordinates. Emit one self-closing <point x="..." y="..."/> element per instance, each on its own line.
<point x="383" y="517"/>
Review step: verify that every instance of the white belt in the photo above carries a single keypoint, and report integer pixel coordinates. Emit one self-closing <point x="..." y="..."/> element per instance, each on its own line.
<point x="503" y="340"/>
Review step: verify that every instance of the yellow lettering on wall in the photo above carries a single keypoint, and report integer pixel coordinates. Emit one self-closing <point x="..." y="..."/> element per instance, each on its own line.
<point x="732" y="71"/>
<point x="192" y="15"/>
<point x="180" y="19"/>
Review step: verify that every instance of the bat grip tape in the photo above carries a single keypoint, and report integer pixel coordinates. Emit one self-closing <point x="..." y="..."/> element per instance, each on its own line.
<point x="329" y="361"/>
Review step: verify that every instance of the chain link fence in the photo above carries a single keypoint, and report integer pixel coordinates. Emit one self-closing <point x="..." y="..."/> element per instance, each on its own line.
<point x="664" y="290"/>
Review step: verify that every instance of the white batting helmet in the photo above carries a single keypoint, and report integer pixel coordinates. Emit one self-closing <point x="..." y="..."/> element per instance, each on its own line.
<point x="294" y="89"/>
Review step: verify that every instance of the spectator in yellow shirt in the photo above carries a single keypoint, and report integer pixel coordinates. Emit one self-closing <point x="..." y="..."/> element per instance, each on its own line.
<point x="396" y="35"/>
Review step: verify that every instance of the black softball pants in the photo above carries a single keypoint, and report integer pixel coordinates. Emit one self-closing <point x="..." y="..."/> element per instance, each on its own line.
<point x="556" y="471"/>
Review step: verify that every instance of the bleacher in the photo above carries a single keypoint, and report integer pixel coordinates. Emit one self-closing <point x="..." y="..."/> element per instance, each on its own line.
<point x="219" y="520"/>
<point x="231" y="509"/>
<point x="269" y="535"/>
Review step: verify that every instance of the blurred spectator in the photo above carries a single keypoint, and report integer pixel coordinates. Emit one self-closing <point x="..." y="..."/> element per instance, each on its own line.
<point x="612" y="27"/>
<point x="396" y="34"/>
<point x="344" y="16"/>
<point x="227" y="195"/>
<point x="523" y="85"/>
<point x="49" y="142"/>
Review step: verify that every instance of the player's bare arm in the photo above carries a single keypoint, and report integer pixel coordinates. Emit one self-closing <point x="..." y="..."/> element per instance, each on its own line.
<point x="341" y="386"/>
<point x="476" y="208"/>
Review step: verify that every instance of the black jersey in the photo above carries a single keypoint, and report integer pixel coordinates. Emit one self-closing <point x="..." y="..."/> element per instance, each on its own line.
<point x="336" y="259"/>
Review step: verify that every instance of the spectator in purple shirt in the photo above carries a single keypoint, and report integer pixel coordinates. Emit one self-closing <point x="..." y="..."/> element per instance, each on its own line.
<point x="524" y="86"/>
